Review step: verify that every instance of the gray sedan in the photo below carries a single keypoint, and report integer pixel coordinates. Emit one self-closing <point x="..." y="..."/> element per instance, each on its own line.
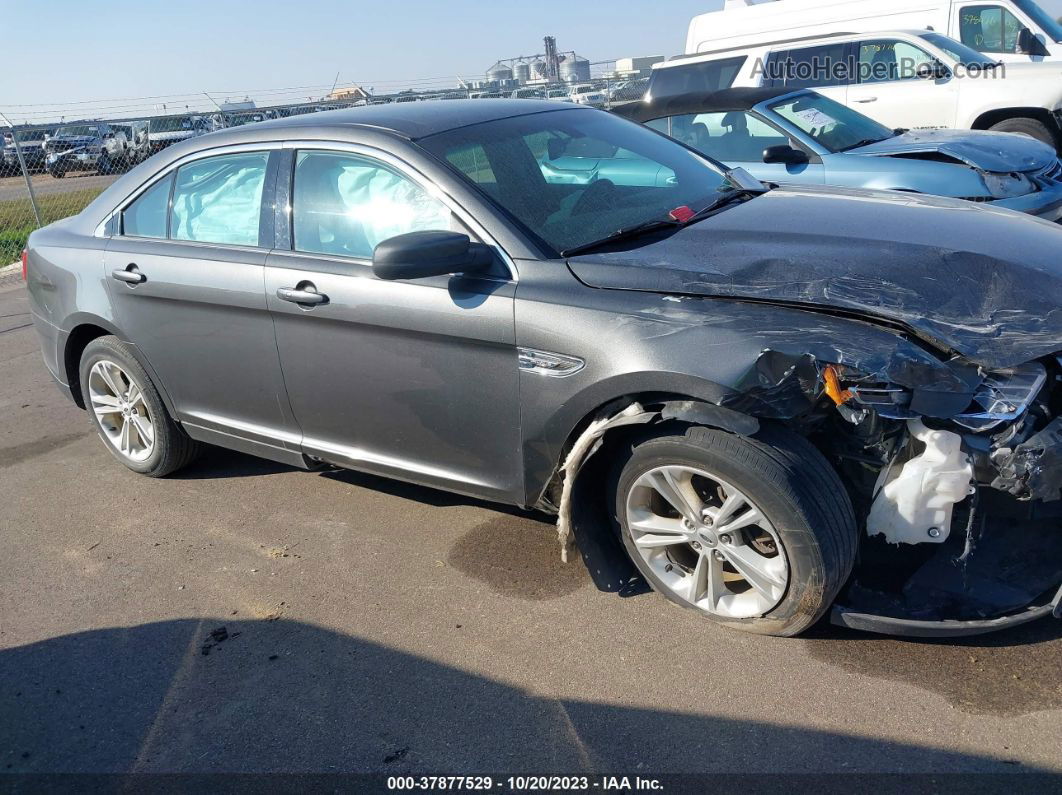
<point x="774" y="402"/>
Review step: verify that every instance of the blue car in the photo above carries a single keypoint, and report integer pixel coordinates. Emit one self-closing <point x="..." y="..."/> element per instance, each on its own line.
<point x="804" y="138"/>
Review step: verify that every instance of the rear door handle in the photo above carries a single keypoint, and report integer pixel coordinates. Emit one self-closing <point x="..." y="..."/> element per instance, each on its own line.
<point x="868" y="99"/>
<point x="130" y="275"/>
<point x="303" y="294"/>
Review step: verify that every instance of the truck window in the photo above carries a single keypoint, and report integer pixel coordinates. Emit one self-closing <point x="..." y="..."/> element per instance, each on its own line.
<point x="704" y="76"/>
<point x="989" y="28"/>
<point x="885" y="60"/>
<point x="809" y="67"/>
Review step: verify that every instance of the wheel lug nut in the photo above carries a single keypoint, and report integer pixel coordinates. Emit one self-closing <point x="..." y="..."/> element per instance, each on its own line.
<point x="725" y="538"/>
<point x="687" y="524"/>
<point x="719" y="555"/>
<point x="696" y="545"/>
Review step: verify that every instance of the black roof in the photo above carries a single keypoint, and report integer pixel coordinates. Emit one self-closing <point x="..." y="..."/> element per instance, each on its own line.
<point x="701" y="102"/>
<point x="420" y="119"/>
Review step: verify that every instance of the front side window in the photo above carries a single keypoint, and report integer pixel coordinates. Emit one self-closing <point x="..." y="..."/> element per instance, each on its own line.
<point x="833" y="125"/>
<point x="146" y="217"/>
<point x="573" y="177"/>
<point x="219" y="199"/>
<point x="989" y="28"/>
<point x="886" y="60"/>
<point x="345" y="204"/>
<point x="733" y="137"/>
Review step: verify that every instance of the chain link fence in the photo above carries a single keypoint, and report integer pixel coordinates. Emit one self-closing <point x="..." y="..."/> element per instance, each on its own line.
<point x="58" y="158"/>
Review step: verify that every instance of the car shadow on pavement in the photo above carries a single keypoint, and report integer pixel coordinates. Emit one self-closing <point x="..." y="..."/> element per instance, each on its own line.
<point x="202" y="695"/>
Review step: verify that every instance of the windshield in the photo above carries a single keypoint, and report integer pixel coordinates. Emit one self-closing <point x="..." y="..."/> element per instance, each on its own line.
<point x="831" y="124"/>
<point x="1048" y="23"/>
<point x="77" y="130"/>
<point x="967" y="56"/>
<point x="574" y="177"/>
<point x="171" y="124"/>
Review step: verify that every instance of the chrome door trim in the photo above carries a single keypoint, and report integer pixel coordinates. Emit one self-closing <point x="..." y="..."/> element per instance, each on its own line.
<point x="418" y="178"/>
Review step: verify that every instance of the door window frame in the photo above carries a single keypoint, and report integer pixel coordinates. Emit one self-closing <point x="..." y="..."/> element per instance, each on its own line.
<point x="857" y="47"/>
<point x="1002" y="32"/>
<point x="284" y="237"/>
<point x="111" y="225"/>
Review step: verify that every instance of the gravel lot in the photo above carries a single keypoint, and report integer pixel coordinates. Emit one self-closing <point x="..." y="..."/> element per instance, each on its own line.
<point x="249" y="617"/>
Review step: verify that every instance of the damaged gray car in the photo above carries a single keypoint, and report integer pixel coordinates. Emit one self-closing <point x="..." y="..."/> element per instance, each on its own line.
<point x="777" y="403"/>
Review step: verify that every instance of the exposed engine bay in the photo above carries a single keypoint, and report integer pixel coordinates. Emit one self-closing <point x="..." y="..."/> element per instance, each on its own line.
<point x="961" y="515"/>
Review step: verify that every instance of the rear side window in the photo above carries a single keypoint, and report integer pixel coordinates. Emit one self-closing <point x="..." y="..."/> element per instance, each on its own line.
<point x="346" y="204"/>
<point x="219" y="199"/>
<point x="146" y="217"/>
<point x="704" y="76"/>
<point x="809" y="67"/>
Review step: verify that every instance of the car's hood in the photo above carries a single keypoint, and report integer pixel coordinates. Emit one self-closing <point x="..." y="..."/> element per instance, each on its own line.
<point x="988" y="151"/>
<point x="981" y="282"/>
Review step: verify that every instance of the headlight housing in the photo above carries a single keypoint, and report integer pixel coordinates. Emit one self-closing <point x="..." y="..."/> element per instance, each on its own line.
<point x="1008" y="186"/>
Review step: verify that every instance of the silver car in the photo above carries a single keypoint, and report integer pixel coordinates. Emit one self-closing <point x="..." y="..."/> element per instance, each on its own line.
<point x="774" y="402"/>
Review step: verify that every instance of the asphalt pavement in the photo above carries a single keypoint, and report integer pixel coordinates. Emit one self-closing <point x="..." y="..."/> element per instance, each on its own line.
<point x="244" y="616"/>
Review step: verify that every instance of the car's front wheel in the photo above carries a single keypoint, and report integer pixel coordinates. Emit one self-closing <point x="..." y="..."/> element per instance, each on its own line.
<point x="127" y="412"/>
<point x="755" y="533"/>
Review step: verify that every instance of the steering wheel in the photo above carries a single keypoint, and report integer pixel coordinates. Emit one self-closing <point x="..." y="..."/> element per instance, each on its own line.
<point x="596" y="197"/>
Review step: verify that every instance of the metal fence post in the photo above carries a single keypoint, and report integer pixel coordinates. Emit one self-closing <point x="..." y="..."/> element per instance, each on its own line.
<point x="25" y="172"/>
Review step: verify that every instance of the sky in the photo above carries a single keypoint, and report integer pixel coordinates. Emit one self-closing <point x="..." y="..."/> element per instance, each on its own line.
<point x="150" y="48"/>
<point x="147" y="47"/>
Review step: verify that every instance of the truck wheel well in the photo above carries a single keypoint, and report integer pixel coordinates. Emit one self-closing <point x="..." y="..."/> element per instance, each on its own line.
<point x="76" y="343"/>
<point x="992" y="117"/>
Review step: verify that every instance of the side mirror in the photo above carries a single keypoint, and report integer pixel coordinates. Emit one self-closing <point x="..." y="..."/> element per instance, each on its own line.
<point x="417" y="255"/>
<point x="785" y="154"/>
<point x="932" y="70"/>
<point x="1029" y="43"/>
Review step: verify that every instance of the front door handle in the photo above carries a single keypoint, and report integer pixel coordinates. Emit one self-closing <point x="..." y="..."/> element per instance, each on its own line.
<point x="866" y="100"/>
<point x="130" y="275"/>
<point x="305" y="293"/>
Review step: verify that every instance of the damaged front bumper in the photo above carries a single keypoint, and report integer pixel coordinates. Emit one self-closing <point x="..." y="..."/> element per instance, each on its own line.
<point x="944" y="628"/>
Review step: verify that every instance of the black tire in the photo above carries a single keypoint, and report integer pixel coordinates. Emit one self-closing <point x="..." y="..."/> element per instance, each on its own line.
<point x="792" y="484"/>
<point x="173" y="448"/>
<point x="105" y="165"/>
<point x="1033" y="128"/>
<point x="57" y="173"/>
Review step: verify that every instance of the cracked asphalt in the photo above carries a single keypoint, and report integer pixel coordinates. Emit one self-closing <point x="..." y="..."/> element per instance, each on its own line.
<point x="248" y="617"/>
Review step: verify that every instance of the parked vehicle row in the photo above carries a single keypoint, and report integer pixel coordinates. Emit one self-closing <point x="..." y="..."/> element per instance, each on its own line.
<point x="779" y="400"/>
<point x="913" y="79"/>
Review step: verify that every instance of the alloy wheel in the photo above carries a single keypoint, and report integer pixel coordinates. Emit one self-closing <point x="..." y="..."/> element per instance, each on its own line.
<point x="707" y="542"/>
<point x="121" y="411"/>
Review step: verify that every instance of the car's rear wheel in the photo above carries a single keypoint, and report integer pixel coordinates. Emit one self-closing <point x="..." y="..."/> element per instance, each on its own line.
<point x="754" y="533"/>
<point x="1030" y="128"/>
<point x="127" y="412"/>
<point x="57" y="173"/>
